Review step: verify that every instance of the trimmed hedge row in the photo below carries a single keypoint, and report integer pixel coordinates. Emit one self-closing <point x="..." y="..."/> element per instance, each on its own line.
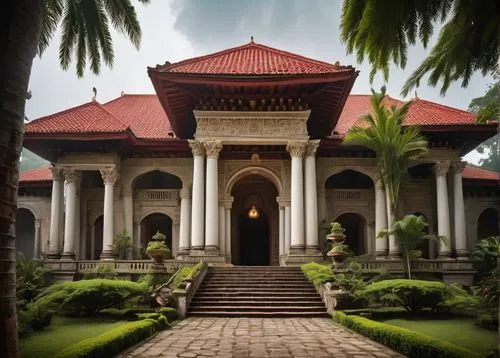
<point x="410" y="343"/>
<point x="113" y="341"/>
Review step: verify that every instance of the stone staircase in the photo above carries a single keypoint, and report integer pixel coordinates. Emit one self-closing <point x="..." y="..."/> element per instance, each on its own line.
<point x="256" y="291"/>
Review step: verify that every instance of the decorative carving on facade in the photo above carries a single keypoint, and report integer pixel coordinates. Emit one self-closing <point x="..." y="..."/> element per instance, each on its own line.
<point x="311" y="148"/>
<point x="185" y="193"/>
<point x="458" y="167"/>
<point x="255" y="158"/>
<point x="213" y="148"/>
<point x="72" y="175"/>
<point x="296" y="148"/>
<point x="441" y="168"/>
<point x="197" y="147"/>
<point x="57" y="174"/>
<point x="109" y="175"/>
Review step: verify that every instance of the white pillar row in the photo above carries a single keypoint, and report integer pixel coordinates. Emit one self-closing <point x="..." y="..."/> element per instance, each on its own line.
<point x="222" y="229"/>
<point x="56" y="208"/>
<point x="109" y="177"/>
<point x="296" y="150"/>
<point x="311" y="198"/>
<point x="212" y="149"/>
<point x="381" y="245"/>
<point x="36" y="246"/>
<point x="227" y="222"/>
<point x="288" y="228"/>
<point x="459" y="211"/>
<point x="198" y="198"/>
<point x="128" y="217"/>
<point x="393" y="249"/>
<point x="84" y="227"/>
<point x="443" y="210"/>
<point x="92" y="242"/>
<point x="185" y="224"/>
<point x="72" y="177"/>
<point x="281" y="230"/>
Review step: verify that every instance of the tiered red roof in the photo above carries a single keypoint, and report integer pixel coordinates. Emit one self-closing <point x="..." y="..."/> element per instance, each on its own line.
<point x="252" y="59"/>
<point x="477" y="173"/>
<point x="43" y="174"/>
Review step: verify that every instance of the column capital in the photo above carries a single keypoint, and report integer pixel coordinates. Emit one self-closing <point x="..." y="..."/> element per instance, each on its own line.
<point x="185" y="193"/>
<point x="72" y="175"/>
<point x="311" y="147"/>
<point x="296" y="148"/>
<point x="458" y="167"/>
<point x="57" y="173"/>
<point x="213" y="148"/>
<point x="197" y="148"/>
<point x="109" y="175"/>
<point x="441" y="168"/>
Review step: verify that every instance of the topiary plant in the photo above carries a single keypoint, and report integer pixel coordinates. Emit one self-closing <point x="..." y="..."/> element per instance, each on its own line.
<point x="336" y="228"/>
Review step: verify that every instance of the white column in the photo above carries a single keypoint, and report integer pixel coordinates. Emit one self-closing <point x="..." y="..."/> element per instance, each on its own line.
<point x="212" y="150"/>
<point x="185" y="225"/>
<point x="109" y="176"/>
<point x="381" y="247"/>
<point x="71" y="176"/>
<point x="228" y="233"/>
<point x="78" y="205"/>
<point x="288" y="228"/>
<point x="137" y="237"/>
<point x="393" y="249"/>
<point x="459" y="210"/>
<point x="128" y="216"/>
<point x="311" y="198"/>
<point x="198" y="201"/>
<point x="443" y="210"/>
<point x="92" y="242"/>
<point x="56" y="208"/>
<point x="84" y="227"/>
<point x="222" y="230"/>
<point x="282" y="229"/>
<point x="296" y="150"/>
<point x="36" y="244"/>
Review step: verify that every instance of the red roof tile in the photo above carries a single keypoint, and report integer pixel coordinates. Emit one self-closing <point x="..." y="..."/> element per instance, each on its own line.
<point x="252" y="59"/>
<point x="90" y="117"/>
<point x="473" y="172"/>
<point x="36" y="175"/>
<point x="422" y="113"/>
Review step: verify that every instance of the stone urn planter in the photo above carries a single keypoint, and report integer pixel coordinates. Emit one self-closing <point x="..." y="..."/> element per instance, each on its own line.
<point x="157" y="249"/>
<point x="339" y="250"/>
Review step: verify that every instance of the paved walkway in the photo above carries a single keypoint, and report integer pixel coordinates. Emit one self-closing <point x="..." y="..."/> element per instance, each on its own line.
<point x="260" y="338"/>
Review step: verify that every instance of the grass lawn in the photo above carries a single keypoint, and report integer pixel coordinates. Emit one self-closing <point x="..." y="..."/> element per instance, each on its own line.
<point x="460" y="331"/>
<point x="62" y="333"/>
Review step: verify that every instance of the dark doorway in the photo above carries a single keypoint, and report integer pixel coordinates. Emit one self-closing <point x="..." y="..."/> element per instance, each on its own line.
<point x="254" y="240"/>
<point x="25" y="232"/>
<point x="153" y="223"/>
<point x="487" y="224"/>
<point x="355" y="227"/>
<point x="98" y="237"/>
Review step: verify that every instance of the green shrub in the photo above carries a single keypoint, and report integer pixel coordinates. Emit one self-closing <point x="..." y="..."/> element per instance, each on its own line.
<point x="163" y="321"/>
<point x="186" y="273"/>
<point x="112" y="342"/>
<point x="169" y="312"/>
<point x="24" y="328"/>
<point x="88" y="297"/>
<point x="153" y="315"/>
<point x="317" y="273"/>
<point x="122" y="245"/>
<point x="41" y="317"/>
<point x="129" y="313"/>
<point x="413" y="295"/>
<point x="411" y="344"/>
<point x="104" y="271"/>
<point x="30" y="279"/>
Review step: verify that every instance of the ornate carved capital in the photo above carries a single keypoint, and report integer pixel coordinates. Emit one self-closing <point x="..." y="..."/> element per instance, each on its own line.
<point x="72" y="175"/>
<point x="197" y="147"/>
<point x="311" y="148"/>
<point x="213" y="148"/>
<point x="458" y="167"/>
<point x="185" y="193"/>
<point x="441" y="168"/>
<point x="296" y="148"/>
<point x="57" y="174"/>
<point x="109" y="175"/>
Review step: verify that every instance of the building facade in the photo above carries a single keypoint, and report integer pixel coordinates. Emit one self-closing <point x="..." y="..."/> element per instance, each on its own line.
<point x="238" y="158"/>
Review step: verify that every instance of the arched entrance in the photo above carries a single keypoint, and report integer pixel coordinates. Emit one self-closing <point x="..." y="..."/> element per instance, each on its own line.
<point x="254" y="232"/>
<point x="25" y="232"/>
<point x="355" y="231"/>
<point x="153" y="223"/>
<point x="487" y="224"/>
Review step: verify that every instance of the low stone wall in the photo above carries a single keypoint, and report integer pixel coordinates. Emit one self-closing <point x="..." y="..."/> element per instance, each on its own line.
<point x="183" y="296"/>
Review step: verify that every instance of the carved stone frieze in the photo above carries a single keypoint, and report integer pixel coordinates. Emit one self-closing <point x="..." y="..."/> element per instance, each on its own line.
<point x="109" y="175"/>
<point x="441" y="168"/>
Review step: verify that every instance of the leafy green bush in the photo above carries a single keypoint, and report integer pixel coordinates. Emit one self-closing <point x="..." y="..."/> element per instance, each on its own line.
<point x="413" y="295"/>
<point x="112" y="342"/>
<point x="129" y="313"/>
<point x="34" y="319"/>
<point x="186" y="273"/>
<point x="24" y="328"/>
<point x="411" y="344"/>
<point x="169" y="312"/>
<point x="30" y="279"/>
<point x="485" y="254"/>
<point x="317" y="273"/>
<point x="104" y="271"/>
<point x="88" y="297"/>
<point x="122" y="245"/>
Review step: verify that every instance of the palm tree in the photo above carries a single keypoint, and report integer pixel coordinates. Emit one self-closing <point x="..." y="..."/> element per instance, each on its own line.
<point x="27" y="28"/>
<point x="394" y="145"/>
<point x="382" y="31"/>
<point x="410" y="235"/>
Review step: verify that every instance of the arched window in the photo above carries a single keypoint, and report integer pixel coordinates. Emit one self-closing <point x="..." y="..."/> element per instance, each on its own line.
<point x="25" y="232"/>
<point x="487" y="224"/>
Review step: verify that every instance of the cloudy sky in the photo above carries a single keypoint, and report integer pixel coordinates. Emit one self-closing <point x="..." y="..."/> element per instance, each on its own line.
<point x="178" y="29"/>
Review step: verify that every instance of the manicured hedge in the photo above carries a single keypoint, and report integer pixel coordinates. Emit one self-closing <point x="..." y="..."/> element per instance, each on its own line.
<point x="112" y="342"/>
<point x="412" y="344"/>
<point x="317" y="273"/>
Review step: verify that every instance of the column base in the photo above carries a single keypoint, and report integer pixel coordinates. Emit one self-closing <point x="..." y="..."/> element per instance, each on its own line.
<point x="381" y="255"/>
<point x="53" y="255"/>
<point x="300" y="259"/>
<point x="445" y="255"/>
<point x="463" y="254"/>
<point x="68" y="256"/>
<point x="296" y="250"/>
<point x="212" y="250"/>
<point x="312" y="251"/>
<point x="107" y="255"/>
<point x="183" y="251"/>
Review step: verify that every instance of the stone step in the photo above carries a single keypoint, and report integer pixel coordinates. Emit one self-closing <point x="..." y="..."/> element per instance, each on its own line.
<point x="257" y="285"/>
<point x="251" y="290"/>
<point x="239" y="298"/>
<point x="256" y="303"/>
<point x="254" y="294"/>
<point x="273" y="314"/>
<point x="261" y="308"/>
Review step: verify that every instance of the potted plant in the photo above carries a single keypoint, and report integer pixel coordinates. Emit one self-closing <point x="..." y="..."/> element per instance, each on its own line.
<point x="336" y="233"/>
<point x="157" y="249"/>
<point x="339" y="252"/>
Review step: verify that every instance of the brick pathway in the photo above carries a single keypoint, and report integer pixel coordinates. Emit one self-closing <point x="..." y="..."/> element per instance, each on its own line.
<point x="261" y="338"/>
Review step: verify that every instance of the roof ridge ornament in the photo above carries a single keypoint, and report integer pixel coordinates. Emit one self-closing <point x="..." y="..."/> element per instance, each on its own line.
<point x="251" y="39"/>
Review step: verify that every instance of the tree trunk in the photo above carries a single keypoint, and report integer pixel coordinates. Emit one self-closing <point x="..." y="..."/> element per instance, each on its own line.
<point x="21" y="22"/>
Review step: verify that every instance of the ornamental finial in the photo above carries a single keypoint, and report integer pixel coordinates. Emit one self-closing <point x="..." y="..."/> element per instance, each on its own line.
<point x="251" y="39"/>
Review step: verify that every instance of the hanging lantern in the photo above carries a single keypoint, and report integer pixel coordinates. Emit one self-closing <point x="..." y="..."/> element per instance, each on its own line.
<point x="253" y="213"/>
